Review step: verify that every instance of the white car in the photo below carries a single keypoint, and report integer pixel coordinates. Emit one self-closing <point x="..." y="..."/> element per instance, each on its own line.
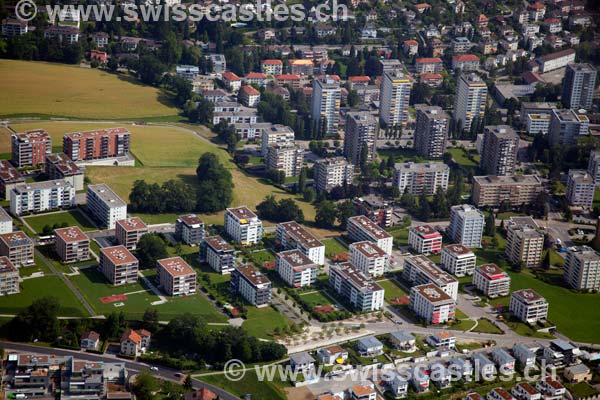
<point x="153" y="368"/>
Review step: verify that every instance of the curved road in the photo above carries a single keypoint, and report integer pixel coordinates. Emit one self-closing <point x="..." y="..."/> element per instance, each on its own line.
<point x="132" y="366"/>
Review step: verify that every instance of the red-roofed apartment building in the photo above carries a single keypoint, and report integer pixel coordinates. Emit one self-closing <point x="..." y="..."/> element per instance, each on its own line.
<point x="425" y="239"/>
<point x="272" y="67"/>
<point x="249" y="96"/>
<point x="135" y="342"/>
<point x="465" y="62"/>
<point x="232" y="81"/>
<point x="429" y="65"/>
<point x="29" y="148"/>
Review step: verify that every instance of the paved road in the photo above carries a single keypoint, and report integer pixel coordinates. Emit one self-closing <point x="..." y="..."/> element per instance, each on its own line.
<point x="132" y="366"/>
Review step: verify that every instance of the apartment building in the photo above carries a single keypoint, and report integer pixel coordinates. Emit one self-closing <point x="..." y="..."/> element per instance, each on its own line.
<point x="362" y="392"/>
<point x="60" y="166"/>
<point x="219" y="254"/>
<point x="470" y="100"/>
<point x="551" y="388"/>
<point x="361" y="228"/>
<point x="29" y="148"/>
<point x="368" y="258"/>
<point x="361" y="132"/>
<point x="582" y="268"/>
<point x="252" y="285"/>
<point x="537" y="123"/>
<point x="14" y="27"/>
<point x="566" y="126"/>
<point x="134" y="343"/>
<point x="243" y="225"/>
<point x="424" y="239"/>
<point x="63" y="34"/>
<point x="276" y="135"/>
<point x="578" y="86"/>
<point x="431" y="131"/>
<point x="459" y="260"/>
<point x="593" y="166"/>
<point x="325" y="106"/>
<point x="356" y="288"/>
<point x="271" y="67"/>
<point x="466" y="225"/>
<point x="72" y="245"/>
<point x="9" y="277"/>
<point x="118" y="265"/>
<point x="105" y="206"/>
<point x="465" y="62"/>
<point x="6" y="222"/>
<point x="394" y="97"/>
<point x="515" y="190"/>
<point x="552" y="61"/>
<point x="499" y="150"/>
<point x="332" y="172"/>
<point x="429" y="65"/>
<point x="97" y="145"/>
<point x="292" y="235"/>
<point x="18" y="247"/>
<point x="374" y="208"/>
<point x="296" y="269"/>
<point x="175" y="277"/>
<point x="528" y="306"/>
<point x="419" y="178"/>
<point x="42" y="196"/>
<point x="491" y="280"/>
<point x="419" y="270"/>
<point x="9" y="178"/>
<point x="499" y="393"/>
<point x="524" y="355"/>
<point x="129" y="231"/>
<point x="286" y="158"/>
<point x="580" y="188"/>
<point x="524" y="242"/>
<point x="249" y="96"/>
<point x="189" y="229"/>
<point x="432" y="304"/>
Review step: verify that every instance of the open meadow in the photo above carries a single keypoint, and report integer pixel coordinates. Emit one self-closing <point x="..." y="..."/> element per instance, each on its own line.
<point x="58" y="90"/>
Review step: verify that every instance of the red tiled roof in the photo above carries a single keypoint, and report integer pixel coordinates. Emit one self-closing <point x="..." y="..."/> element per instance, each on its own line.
<point x="250" y="91"/>
<point x="360" y="78"/>
<point x="427" y="60"/>
<point x="272" y="62"/>
<point x="287" y="77"/>
<point x="230" y="76"/>
<point x="256" y="75"/>
<point x="465" y="58"/>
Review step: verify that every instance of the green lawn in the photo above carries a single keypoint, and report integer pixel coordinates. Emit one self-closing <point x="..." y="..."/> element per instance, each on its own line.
<point x="392" y="291"/>
<point x="261" y="322"/>
<point x="400" y="236"/>
<point x="485" y="326"/>
<point x="460" y="157"/>
<point x="70" y="217"/>
<point x="333" y="246"/>
<point x="582" y="390"/>
<point x="314" y="299"/>
<point x="261" y="256"/>
<point x="249" y="384"/>
<point x="36" y="288"/>
<point x="462" y="325"/>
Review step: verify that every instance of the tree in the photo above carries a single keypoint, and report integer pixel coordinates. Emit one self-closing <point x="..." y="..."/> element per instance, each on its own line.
<point x="302" y="180"/>
<point x="150" y="248"/>
<point x="326" y="214"/>
<point x="150" y="319"/>
<point x="344" y="210"/>
<point x="215" y="189"/>
<point x="39" y="321"/>
<point x="145" y="386"/>
<point x="309" y="195"/>
<point x="284" y="210"/>
<point x="150" y="69"/>
<point x="188" y="385"/>
<point x="424" y="208"/>
<point x="440" y="203"/>
<point x="490" y="225"/>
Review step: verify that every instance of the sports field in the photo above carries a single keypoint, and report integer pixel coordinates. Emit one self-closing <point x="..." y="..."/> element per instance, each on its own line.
<point x="46" y="89"/>
<point x="70" y="217"/>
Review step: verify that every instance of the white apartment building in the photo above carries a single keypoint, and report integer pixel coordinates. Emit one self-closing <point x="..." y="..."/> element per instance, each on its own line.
<point x="129" y="231"/>
<point x="551" y="388"/>
<point x="219" y="254"/>
<point x="6" y="222"/>
<point x="72" y="245"/>
<point x="394" y="97"/>
<point x="420" y="178"/>
<point x="362" y="130"/>
<point x="295" y="268"/>
<point x="466" y="225"/>
<point x="566" y="126"/>
<point x="491" y="280"/>
<point x="361" y="228"/>
<point x="118" y="265"/>
<point x="252" y="285"/>
<point x="420" y="270"/>
<point x="9" y="277"/>
<point x="60" y="166"/>
<point x="189" y="229"/>
<point x="528" y="306"/>
<point x="582" y="268"/>
<point x="432" y="304"/>
<point x="524" y="242"/>
<point x="580" y="188"/>
<point x="243" y="225"/>
<point x="176" y="277"/>
<point x="424" y="239"/>
<point x="470" y="100"/>
<point x="578" y="87"/>
<point x="105" y="206"/>
<point x="516" y="190"/>
<point x="271" y="67"/>
<point x="355" y="287"/>
<point x="332" y="172"/>
<point x="292" y="235"/>
<point x="276" y="135"/>
<point x="559" y="59"/>
<point x="289" y="159"/>
<point x="325" y="107"/>
<point x="368" y="258"/>
<point x="537" y="123"/>
<point x="459" y="260"/>
<point x="431" y="131"/>
<point x="499" y="150"/>
<point x="43" y="196"/>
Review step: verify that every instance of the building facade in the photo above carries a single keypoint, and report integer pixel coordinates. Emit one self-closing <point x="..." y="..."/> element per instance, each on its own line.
<point x="528" y="306"/>
<point x="582" y="268"/>
<point x="105" y="206"/>
<point x="524" y="242"/>
<point x="368" y="258"/>
<point x="9" y="178"/>
<point x="97" y="145"/>
<point x="253" y="286"/>
<point x="431" y="131"/>
<point x="566" y="126"/>
<point x="491" y="280"/>
<point x="580" y="188"/>
<point x="424" y="239"/>
<point x="394" y="98"/>
<point x="243" y="225"/>
<point x="42" y="196"/>
<point x="129" y="231"/>
<point x="419" y="270"/>
<point x="291" y="235"/>
<point x="72" y="245"/>
<point x="332" y="172"/>
<point x="189" y="229"/>
<point x="295" y="268"/>
<point x="432" y="304"/>
<point x="286" y="158"/>
<point x="175" y="277"/>
<point x="466" y="225"/>
<point x="356" y="288"/>
<point x="325" y="106"/>
<point x="514" y="190"/>
<point x="118" y="265"/>
<point x="459" y="260"/>
<point x="499" y="150"/>
<point x="60" y="166"/>
<point x="29" y="148"/>
<point x="219" y="254"/>
<point x="9" y="277"/>
<point x="419" y="178"/>
<point x="18" y="247"/>
<point x="470" y="100"/>
<point x="578" y="86"/>
<point x="361" y="133"/>
<point x="361" y="228"/>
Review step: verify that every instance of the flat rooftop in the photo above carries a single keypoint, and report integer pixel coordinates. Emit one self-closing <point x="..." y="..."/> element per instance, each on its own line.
<point x="428" y="267"/>
<point x="8" y="173"/>
<point x="491" y="271"/>
<point x="355" y="277"/>
<point x="191" y="220"/>
<point x="514" y="180"/>
<point x="6" y="266"/>
<point x="72" y="234"/>
<point x="64" y="164"/>
<point x="14" y="239"/>
<point x="118" y="255"/>
<point x="132" y="224"/>
<point x="97" y="133"/>
<point x="295" y="258"/>
<point x="301" y="234"/>
<point x="252" y="274"/>
<point x="107" y="195"/>
<point x="458" y="249"/>
<point x="34" y="135"/>
<point x="217" y="243"/>
<point x="369" y="226"/>
<point x="369" y="249"/>
<point x="425" y="231"/>
<point x="432" y="293"/>
<point x="421" y="167"/>
<point x="44" y="185"/>
<point x="527" y="295"/>
<point x="502" y="131"/>
<point x="176" y="266"/>
<point x="242" y="213"/>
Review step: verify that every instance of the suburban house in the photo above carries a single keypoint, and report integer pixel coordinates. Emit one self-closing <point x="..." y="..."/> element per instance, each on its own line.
<point x="89" y="340"/>
<point x="135" y="342"/>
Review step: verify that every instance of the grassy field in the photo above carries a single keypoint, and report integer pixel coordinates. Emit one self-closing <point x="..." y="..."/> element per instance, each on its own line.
<point x="4" y="140"/>
<point x="36" y="288"/>
<point x="486" y="326"/>
<point x="316" y="298"/>
<point x="248" y="384"/>
<point x="36" y="88"/>
<point x="333" y="246"/>
<point x="392" y="291"/>
<point x="261" y="322"/>
<point x="70" y="217"/>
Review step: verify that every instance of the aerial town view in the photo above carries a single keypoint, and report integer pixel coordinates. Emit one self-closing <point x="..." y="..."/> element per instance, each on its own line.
<point x="300" y="199"/>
